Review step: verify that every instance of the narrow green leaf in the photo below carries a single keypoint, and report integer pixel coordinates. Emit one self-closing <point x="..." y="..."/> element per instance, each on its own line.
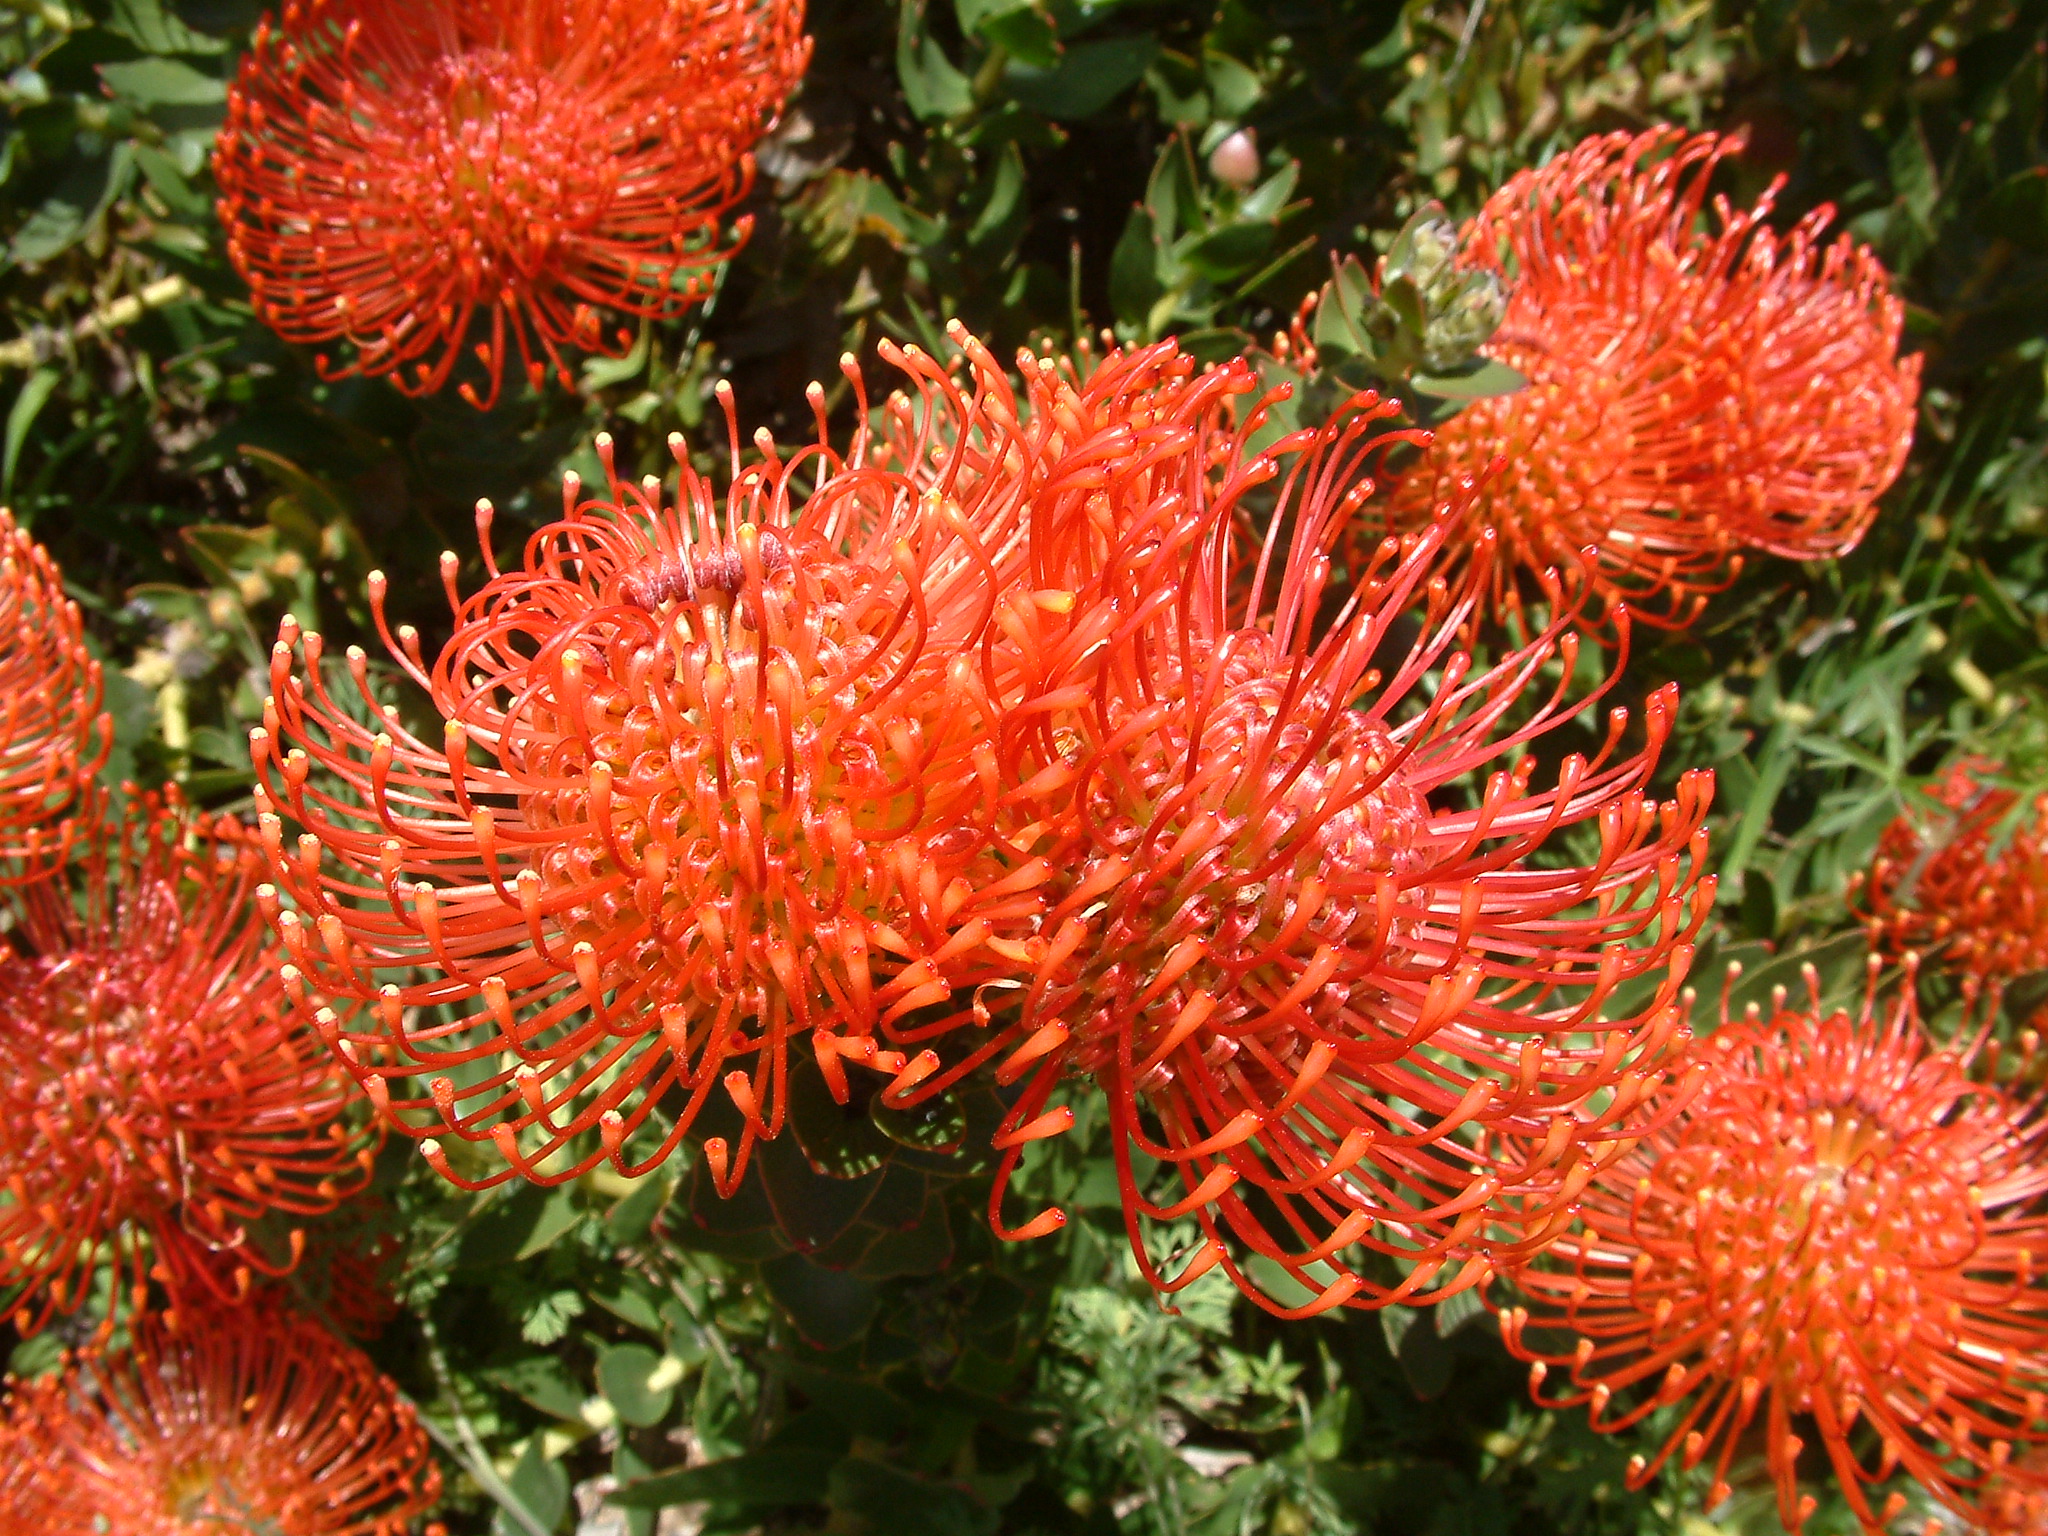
<point x="35" y="394"/>
<point x="1266" y="201"/>
<point x="1134" y="285"/>
<point x="1005" y="199"/>
<point x="767" y="1478"/>
<point x="163" y="83"/>
<point x="1488" y="379"/>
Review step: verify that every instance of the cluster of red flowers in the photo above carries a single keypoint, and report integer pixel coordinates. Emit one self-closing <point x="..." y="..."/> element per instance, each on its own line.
<point x="1843" y="1228"/>
<point x="161" y="1105"/>
<point x="1698" y="384"/>
<point x="392" y="171"/>
<point x="53" y="736"/>
<point x="1963" y="878"/>
<point x="250" y="1420"/>
<point x="1010" y="740"/>
<point x="1054" y="732"/>
<point x="159" y="1093"/>
<point x="1051" y="732"/>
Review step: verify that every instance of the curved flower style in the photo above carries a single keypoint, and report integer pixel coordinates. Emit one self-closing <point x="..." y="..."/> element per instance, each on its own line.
<point x="392" y="169"/>
<point x="714" y="778"/>
<point x="157" y="1094"/>
<point x="245" y="1420"/>
<point x="1941" y="889"/>
<point x="1844" y="1226"/>
<point x="53" y="736"/>
<point x="1697" y="384"/>
<point x="1314" y="940"/>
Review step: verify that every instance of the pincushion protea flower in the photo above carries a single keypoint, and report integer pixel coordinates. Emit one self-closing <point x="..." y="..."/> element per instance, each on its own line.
<point x="157" y="1094"/>
<point x="1964" y="877"/>
<point x="1843" y="1229"/>
<point x="1314" y="937"/>
<point x="1698" y="384"/>
<point x="718" y="779"/>
<point x="249" y="1420"/>
<point x="53" y="735"/>
<point x="392" y="170"/>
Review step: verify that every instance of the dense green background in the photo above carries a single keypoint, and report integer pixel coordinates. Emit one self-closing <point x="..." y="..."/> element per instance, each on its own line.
<point x="1036" y="169"/>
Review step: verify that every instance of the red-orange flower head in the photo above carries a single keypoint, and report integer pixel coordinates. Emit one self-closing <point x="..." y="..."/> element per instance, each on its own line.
<point x="249" y="1420"/>
<point x="1963" y="876"/>
<point x="1841" y="1235"/>
<point x="53" y="736"/>
<point x="1313" y="937"/>
<point x="391" y="170"/>
<point x="1697" y="384"/>
<point x="718" y="774"/>
<point x="158" y="1095"/>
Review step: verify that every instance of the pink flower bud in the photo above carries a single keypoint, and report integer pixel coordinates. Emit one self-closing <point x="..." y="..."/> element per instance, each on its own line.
<point x="1235" y="162"/>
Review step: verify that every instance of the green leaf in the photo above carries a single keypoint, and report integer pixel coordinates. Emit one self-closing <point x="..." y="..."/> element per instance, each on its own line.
<point x="627" y="1222"/>
<point x="1228" y="252"/>
<point x="883" y="1497"/>
<point x="518" y="1225"/>
<point x="741" y="1228"/>
<point x="167" y="179"/>
<point x="840" y="1142"/>
<point x="82" y="196"/>
<point x="1488" y="379"/>
<point x="1135" y="269"/>
<point x="974" y="14"/>
<point x="1268" y="199"/>
<point x="541" y="1485"/>
<point x="637" y="1382"/>
<point x="1088" y="77"/>
<point x="1826" y="30"/>
<point x="629" y="1298"/>
<point x="35" y="394"/>
<point x="1216" y="343"/>
<point x="1456" y="1312"/>
<point x="155" y="29"/>
<point x="932" y="87"/>
<point x="541" y="1381"/>
<point x="1424" y="1357"/>
<point x="37" y="1356"/>
<point x="2018" y="209"/>
<point x="1178" y="85"/>
<point x="628" y="1465"/>
<point x="1024" y="32"/>
<point x="547" y="1320"/>
<point x="1839" y="960"/>
<point x="829" y="1309"/>
<point x="923" y="1249"/>
<point x="1234" y="87"/>
<point x="939" y="1124"/>
<point x="1171" y="188"/>
<point x="1912" y="170"/>
<point x="765" y="1478"/>
<point x="999" y="216"/>
<point x="318" y="496"/>
<point x="163" y="83"/>
<point x="858" y="1403"/>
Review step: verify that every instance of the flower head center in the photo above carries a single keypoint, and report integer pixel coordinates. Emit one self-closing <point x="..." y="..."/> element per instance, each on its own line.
<point x="1277" y="815"/>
